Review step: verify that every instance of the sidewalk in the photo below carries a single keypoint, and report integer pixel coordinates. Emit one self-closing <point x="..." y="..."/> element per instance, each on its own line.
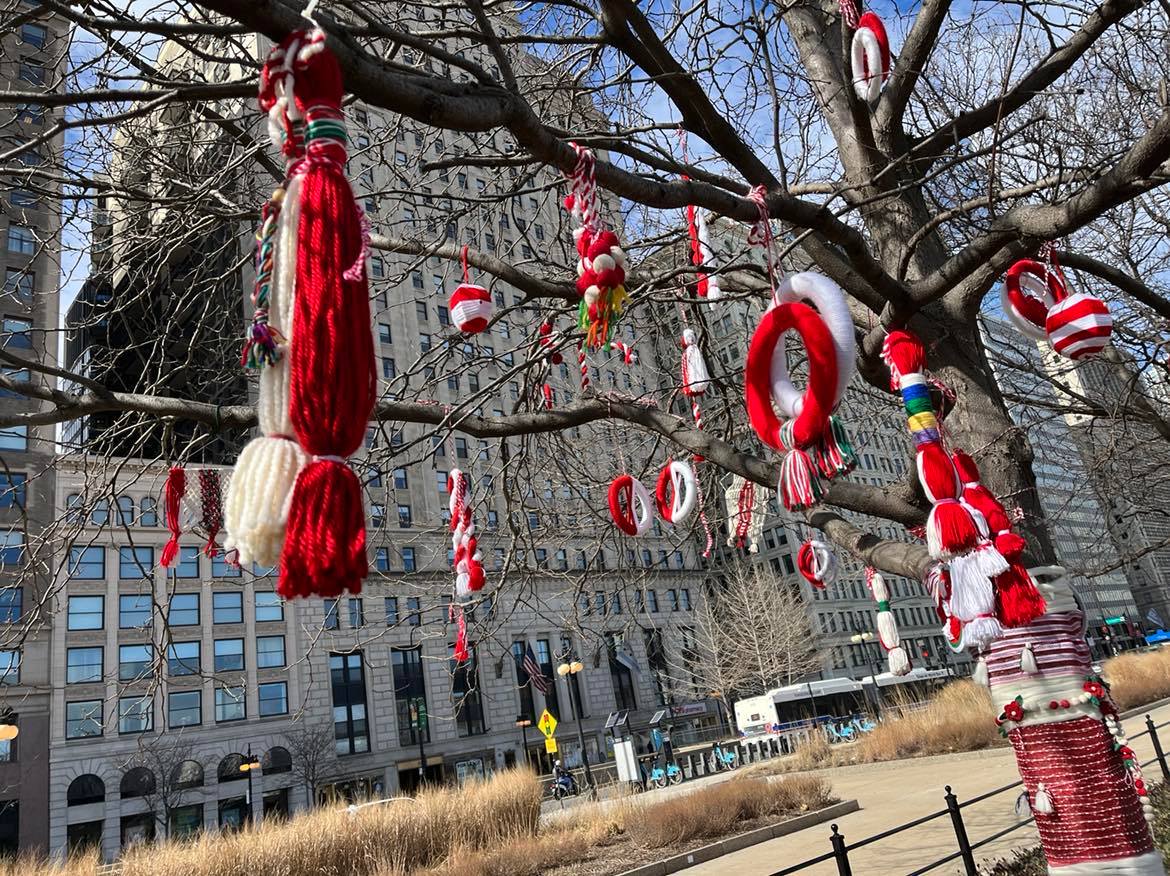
<point x="899" y="791"/>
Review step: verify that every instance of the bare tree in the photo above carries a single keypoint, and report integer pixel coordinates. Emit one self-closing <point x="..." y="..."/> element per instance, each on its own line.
<point x="313" y="756"/>
<point x="177" y="770"/>
<point x="751" y="633"/>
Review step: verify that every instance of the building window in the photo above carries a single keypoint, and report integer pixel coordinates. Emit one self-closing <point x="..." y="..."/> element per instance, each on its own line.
<point x="659" y="670"/>
<point x="83" y="719"/>
<point x="21" y="240"/>
<point x="273" y="699"/>
<point x="269" y="607"/>
<point x="652" y="600"/>
<point x="11" y="604"/>
<point x="86" y="612"/>
<point x="148" y="511"/>
<point x="83" y="665"/>
<point x="410" y="696"/>
<point x="135" y="714"/>
<point x="188" y="564"/>
<point x="31" y="72"/>
<point x="183" y="658"/>
<point x="229" y="704"/>
<point x="134" y="662"/>
<point x="17" y="333"/>
<point x="414" y="611"/>
<point x="685" y="599"/>
<point x="134" y="611"/>
<point x="185" y="708"/>
<point x="87" y="564"/>
<point x="401" y="480"/>
<point x="465" y="693"/>
<point x="545" y="661"/>
<point x="357" y="615"/>
<point x="672" y="599"/>
<point x="227" y="608"/>
<point x="269" y="652"/>
<point x="221" y="568"/>
<point x="523" y="681"/>
<point x="332" y="618"/>
<point x="13" y="490"/>
<point x="403" y="516"/>
<point x="382" y="559"/>
<point x="377" y="515"/>
<point x="184" y="610"/>
<point x="14" y="438"/>
<point x="35" y="35"/>
<point x="351" y="734"/>
<point x="229" y="655"/>
<point x="619" y="673"/>
<point x="135" y="563"/>
<point x="391" y="606"/>
<point x="389" y="369"/>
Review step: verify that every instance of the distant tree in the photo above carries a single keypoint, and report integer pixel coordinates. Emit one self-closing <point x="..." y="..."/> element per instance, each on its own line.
<point x="177" y="771"/>
<point x="313" y="755"/>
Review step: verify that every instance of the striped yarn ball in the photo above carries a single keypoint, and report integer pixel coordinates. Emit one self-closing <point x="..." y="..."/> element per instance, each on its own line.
<point x="471" y="308"/>
<point x="1079" y="326"/>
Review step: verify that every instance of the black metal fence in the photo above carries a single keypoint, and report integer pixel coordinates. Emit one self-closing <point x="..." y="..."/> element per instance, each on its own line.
<point x="965" y="848"/>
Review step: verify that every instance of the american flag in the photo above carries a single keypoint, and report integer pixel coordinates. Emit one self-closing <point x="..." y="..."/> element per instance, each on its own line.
<point x="542" y="684"/>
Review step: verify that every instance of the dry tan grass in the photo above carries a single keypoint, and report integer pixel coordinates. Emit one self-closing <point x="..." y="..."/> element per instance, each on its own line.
<point x="1139" y="677"/>
<point x="25" y="866"/>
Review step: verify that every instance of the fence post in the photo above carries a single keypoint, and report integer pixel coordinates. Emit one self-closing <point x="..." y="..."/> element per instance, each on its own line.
<point x="1158" y="748"/>
<point x="961" y="833"/>
<point x="841" y="853"/>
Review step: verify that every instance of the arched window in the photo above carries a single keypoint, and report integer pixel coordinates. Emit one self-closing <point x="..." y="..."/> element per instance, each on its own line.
<point x="229" y="769"/>
<point x="86" y="788"/>
<point x="277" y="760"/>
<point x="125" y="511"/>
<point x="188" y="774"/>
<point x="148" y="511"/>
<point x="137" y="782"/>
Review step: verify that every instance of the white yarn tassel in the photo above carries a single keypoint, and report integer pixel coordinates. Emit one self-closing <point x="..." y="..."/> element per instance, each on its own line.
<point x="1023" y="807"/>
<point x="980" y="674"/>
<point x="899" y="661"/>
<point x="971" y="591"/>
<point x="887" y="626"/>
<point x="1043" y="804"/>
<point x="696" y="376"/>
<point x="1028" y="660"/>
<point x="714" y="291"/>
<point x="257" y="501"/>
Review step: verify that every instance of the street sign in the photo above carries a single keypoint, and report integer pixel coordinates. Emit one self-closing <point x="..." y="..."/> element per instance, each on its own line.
<point x="547" y="723"/>
<point x="1115" y="621"/>
<point x="550" y="745"/>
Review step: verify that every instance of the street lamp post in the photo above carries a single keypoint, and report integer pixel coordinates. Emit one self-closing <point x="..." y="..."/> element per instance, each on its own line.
<point x="861" y="639"/>
<point x="249" y="765"/>
<point x="572" y="668"/>
<point x="524" y="723"/>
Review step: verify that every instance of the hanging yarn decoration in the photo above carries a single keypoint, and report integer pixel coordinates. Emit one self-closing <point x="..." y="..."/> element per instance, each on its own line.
<point x="173" y="491"/>
<point x="887" y="625"/>
<point x="470" y="305"/>
<point x="630" y="505"/>
<point x="870" y="57"/>
<point x="799" y="485"/>
<point x="601" y="267"/>
<point x="702" y="256"/>
<point x="745" y="504"/>
<point x="1018" y="601"/>
<point x="333" y="382"/>
<point x="695" y="376"/>
<point x="817" y="563"/>
<point x="255" y="507"/>
<point x="468" y="563"/>
<point x="1036" y="299"/>
<point x="211" y="508"/>
<point x="848" y="11"/>
<point x="629" y="357"/>
<point x="548" y="340"/>
<point x="675" y="492"/>
<point x="835" y="454"/>
<point x="955" y="531"/>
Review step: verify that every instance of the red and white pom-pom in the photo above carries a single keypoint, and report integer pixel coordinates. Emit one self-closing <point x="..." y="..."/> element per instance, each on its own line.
<point x="695" y="377"/>
<point x="870" y="57"/>
<point x="471" y="308"/>
<point x="629" y="357"/>
<point x="1079" y="326"/>
<point x="676" y="492"/>
<point x="816" y="561"/>
<point x="468" y="561"/>
<point x="630" y="505"/>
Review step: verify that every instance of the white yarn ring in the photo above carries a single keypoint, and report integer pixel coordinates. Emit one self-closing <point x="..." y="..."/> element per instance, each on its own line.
<point x="866" y="57"/>
<point x="827" y="297"/>
<point x="641" y="498"/>
<point x="681" y="479"/>
<point x="1034" y="287"/>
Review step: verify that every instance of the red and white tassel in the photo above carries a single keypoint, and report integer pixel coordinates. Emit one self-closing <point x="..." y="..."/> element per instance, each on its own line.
<point x="176" y="486"/>
<point x="468" y="561"/>
<point x="887" y="625"/>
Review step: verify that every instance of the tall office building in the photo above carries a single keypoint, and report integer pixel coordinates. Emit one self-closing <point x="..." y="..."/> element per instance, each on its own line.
<point x="164" y="682"/>
<point x="1065" y="479"/>
<point x="32" y="59"/>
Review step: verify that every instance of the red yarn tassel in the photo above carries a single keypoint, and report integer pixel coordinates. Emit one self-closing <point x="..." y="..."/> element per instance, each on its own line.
<point x="903" y="353"/>
<point x="1017" y="601"/>
<point x="331" y="359"/>
<point x="176" y="486"/>
<point x="951" y="530"/>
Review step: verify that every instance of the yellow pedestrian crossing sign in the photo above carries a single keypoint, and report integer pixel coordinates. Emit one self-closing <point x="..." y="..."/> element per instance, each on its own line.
<point x="550" y="745"/>
<point x="547" y="723"/>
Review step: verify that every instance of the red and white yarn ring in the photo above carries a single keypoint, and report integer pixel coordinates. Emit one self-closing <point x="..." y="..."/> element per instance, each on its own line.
<point x="625" y="493"/>
<point x="1030" y="288"/>
<point x="829" y="301"/>
<point x="817" y="563"/>
<point x="471" y="308"/>
<point x="1079" y="326"/>
<point x="870" y="52"/>
<point x="676" y="493"/>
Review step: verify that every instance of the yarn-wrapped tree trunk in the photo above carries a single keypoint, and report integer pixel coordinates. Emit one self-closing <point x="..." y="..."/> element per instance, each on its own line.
<point x="1082" y="781"/>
